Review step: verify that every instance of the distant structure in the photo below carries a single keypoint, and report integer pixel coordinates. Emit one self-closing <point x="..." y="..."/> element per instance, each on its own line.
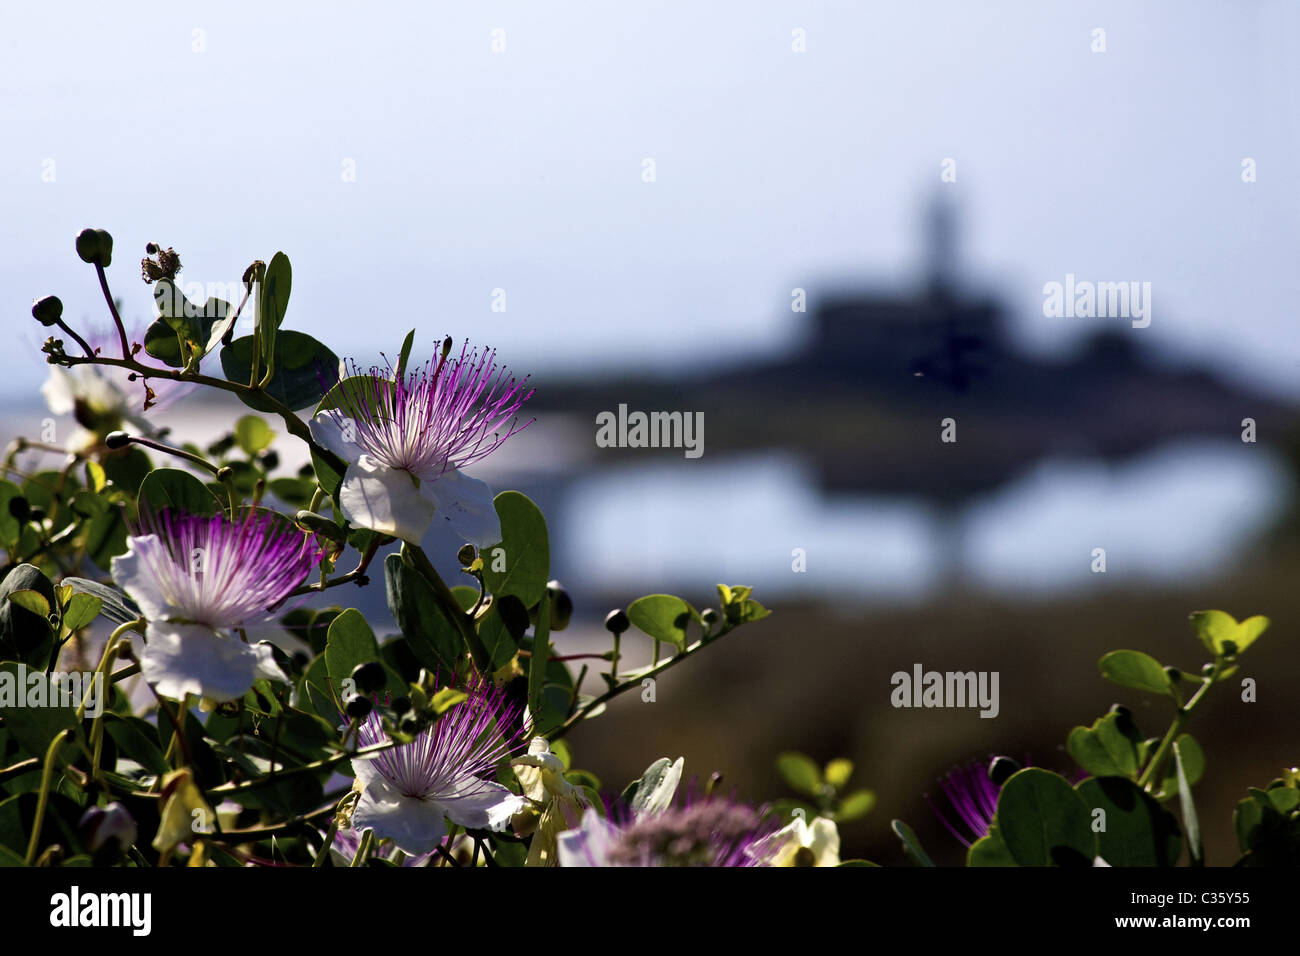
<point x="865" y="397"/>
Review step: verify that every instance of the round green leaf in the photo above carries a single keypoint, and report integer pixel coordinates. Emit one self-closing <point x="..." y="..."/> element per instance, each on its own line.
<point x="800" y="772"/>
<point x="522" y="566"/>
<point x="253" y="434"/>
<point x="1137" y="830"/>
<point x="1135" y="669"/>
<point x="177" y="490"/>
<point x="1044" y="822"/>
<point x="664" y="617"/>
<point x="305" y="369"/>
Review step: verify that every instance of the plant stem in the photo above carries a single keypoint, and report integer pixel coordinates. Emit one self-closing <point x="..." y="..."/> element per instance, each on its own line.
<point x="1150" y="777"/>
<point x="613" y="692"/>
<point x="44" y="797"/>
<point x="112" y="307"/>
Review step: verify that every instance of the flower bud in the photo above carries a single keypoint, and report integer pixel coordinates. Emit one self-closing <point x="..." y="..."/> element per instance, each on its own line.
<point x="110" y="827"/>
<point x="401" y="704"/>
<point x="1001" y="769"/>
<point x="95" y="246"/>
<point x="116" y="440"/>
<point x="709" y="616"/>
<point x="357" y="705"/>
<point x="616" y="621"/>
<point x="561" y="606"/>
<point x="466" y="554"/>
<point x="370" y="677"/>
<point x="1175" y="675"/>
<point x="48" y="310"/>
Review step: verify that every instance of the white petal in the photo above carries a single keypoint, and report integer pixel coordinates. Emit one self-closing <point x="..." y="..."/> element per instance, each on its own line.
<point x="415" y="825"/>
<point x="181" y="659"/>
<point x="384" y="500"/>
<point x="464" y="505"/>
<point x="589" y="844"/>
<point x="327" y="433"/>
<point x="824" y="841"/>
<point x="59" y="392"/>
<point x="486" y="805"/>
<point x="273" y="631"/>
<point x="132" y="573"/>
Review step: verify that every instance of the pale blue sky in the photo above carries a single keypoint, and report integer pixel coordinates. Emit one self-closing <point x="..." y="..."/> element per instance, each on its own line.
<point x="522" y="170"/>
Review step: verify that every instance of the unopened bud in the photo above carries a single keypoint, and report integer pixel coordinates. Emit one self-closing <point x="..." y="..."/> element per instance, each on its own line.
<point x="370" y="677"/>
<point x="110" y="826"/>
<point x="48" y="310"/>
<point x="561" y="606"/>
<point x="466" y="554"/>
<point x="95" y="246"/>
<point x="357" y="705"/>
<point x="1001" y="769"/>
<point x="116" y="440"/>
<point x="616" y="621"/>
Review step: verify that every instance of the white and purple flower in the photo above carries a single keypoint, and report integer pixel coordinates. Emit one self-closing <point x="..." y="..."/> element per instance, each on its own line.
<point x="407" y="790"/>
<point x="712" y="832"/>
<point x="196" y="579"/>
<point x="405" y="440"/>
<point x="104" y="398"/>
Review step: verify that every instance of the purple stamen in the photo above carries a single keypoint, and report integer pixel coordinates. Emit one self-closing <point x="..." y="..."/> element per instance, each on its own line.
<point x="219" y="572"/>
<point x="444" y="416"/>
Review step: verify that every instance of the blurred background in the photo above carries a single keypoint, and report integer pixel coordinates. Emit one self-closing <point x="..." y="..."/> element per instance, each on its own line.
<point x="827" y="227"/>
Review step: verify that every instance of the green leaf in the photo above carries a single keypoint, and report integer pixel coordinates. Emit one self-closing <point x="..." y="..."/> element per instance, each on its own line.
<point x="911" y="845"/>
<point x="116" y="606"/>
<point x="80" y="610"/>
<point x="1138" y="831"/>
<point x="274" y="302"/>
<point x="1193" y="766"/>
<point x="25" y="634"/>
<point x="664" y="617"/>
<point x="1044" y="821"/>
<point x="9" y="526"/>
<point x="502" y="628"/>
<point x="106" y="536"/>
<point x="1107" y="749"/>
<point x="990" y="850"/>
<point x="1137" y="670"/>
<point x="1195" y="849"/>
<point x="351" y="642"/>
<point x="177" y="490"/>
<point x="304" y="370"/>
<point x="137" y="739"/>
<point x="404" y="356"/>
<point x="838" y="772"/>
<point x="523" y="566"/>
<point x="434" y="641"/>
<point x="127" y="467"/>
<point x="41" y="710"/>
<point x="32" y="601"/>
<point x="59" y="825"/>
<point x="1217" y="628"/>
<point x="537" y="666"/>
<point x="253" y="434"/>
<point x="857" y="804"/>
<point x="799" y="771"/>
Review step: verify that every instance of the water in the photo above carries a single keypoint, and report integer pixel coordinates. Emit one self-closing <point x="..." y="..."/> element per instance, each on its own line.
<point x="1183" y="511"/>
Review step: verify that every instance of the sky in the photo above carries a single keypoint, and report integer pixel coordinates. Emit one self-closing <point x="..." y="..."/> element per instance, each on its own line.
<point x="409" y="170"/>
